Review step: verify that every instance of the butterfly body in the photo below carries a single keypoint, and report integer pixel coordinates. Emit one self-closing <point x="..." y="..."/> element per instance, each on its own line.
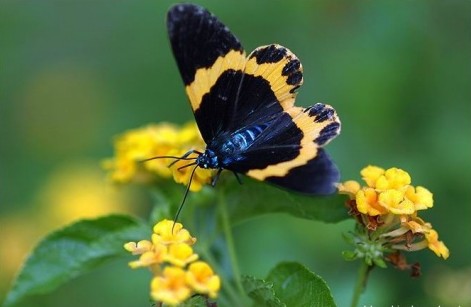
<point x="229" y="148"/>
<point x="244" y="106"/>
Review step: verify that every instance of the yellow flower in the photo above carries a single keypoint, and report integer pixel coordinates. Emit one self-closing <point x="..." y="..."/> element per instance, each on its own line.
<point x="139" y="144"/>
<point x="438" y="247"/>
<point x="395" y="203"/>
<point x="393" y="178"/>
<point x="420" y="196"/>
<point x="386" y="210"/>
<point x="367" y="202"/>
<point x="139" y="247"/>
<point x="182" y="174"/>
<point x="180" y="254"/>
<point x="171" y="288"/>
<point x="177" y="274"/>
<point x="150" y="258"/>
<point x="370" y="175"/>
<point x="350" y="187"/>
<point x="157" y="140"/>
<point x="169" y="232"/>
<point x="202" y="279"/>
<point x="189" y="134"/>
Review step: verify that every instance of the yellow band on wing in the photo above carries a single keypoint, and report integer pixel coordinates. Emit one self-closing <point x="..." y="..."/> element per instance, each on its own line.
<point x="311" y="130"/>
<point x="205" y="78"/>
<point x="273" y="72"/>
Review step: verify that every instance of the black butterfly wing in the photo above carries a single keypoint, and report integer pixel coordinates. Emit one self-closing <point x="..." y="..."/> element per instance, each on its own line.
<point x="225" y="88"/>
<point x="211" y="60"/>
<point x="288" y="153"/>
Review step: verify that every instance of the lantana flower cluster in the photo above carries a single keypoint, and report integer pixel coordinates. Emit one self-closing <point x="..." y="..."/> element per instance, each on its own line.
<point x="177" y="272"/>
<point x="157" y="140"/>
<point x="387" y="213"/>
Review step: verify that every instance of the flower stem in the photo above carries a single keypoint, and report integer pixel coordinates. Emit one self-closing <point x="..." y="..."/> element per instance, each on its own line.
<point x="230" y="241"/>
<point x="361" y="283"/>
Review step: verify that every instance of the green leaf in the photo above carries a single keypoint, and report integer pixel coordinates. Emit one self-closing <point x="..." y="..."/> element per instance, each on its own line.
<point x="195" y="301"/>
<point x="254" y="198"/>
<point x="296" y="286"/>
<point x="380" y="262"/>
<point x="73" y="251"/>
<point x="349" y="255"/>
<point x="261" y="292"/>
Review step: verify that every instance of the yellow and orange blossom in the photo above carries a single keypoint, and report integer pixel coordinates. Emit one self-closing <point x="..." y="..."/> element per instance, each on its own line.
<point x="202" y="279"/>
<point x="155" y="140"/>
<point x="176" y="273"/>
<point x="171" y="287"/>
<point x="387" y="208"/>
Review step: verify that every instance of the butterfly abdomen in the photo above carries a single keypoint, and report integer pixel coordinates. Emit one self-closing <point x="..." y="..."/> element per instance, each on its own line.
<point x="229" y="148"/>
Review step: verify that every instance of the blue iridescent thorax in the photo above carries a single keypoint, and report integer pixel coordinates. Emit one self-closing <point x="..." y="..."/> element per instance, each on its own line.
<point x="228" y="148"/>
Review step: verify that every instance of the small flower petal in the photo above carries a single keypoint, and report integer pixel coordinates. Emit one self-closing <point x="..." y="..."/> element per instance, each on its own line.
<point x="394" y="202"/>
<point x="367" y="202"/>
<point x="180" y="254"/>
<point x="171" y="288"/>
<point x="139" y="247"/>
<point x="371" y="174"/>
<point x="420" y="196"/>
<point x="438" y="247"/>
<point x="417" y="225"/>
<point x="202" y="279"/>
<point x="350" y="188"/>
<point x="393" y="178"/>
<point x="169" y="232"/>
<point x="150" y="258"/>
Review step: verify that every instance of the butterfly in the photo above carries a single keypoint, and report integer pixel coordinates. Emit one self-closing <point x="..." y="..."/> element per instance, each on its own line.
<point x="244" y="107"/>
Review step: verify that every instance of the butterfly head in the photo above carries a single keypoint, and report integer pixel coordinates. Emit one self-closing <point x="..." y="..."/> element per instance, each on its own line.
<point x="208" y="159"/>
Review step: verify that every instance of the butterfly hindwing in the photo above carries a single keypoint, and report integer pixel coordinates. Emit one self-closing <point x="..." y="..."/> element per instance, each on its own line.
<point x="290" y="150"/>
<point x="317" y="176"/>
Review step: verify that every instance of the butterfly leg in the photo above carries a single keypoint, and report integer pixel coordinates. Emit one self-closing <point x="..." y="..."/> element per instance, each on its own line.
<point x="216" y="178"/>
<point x="238" y="177"/>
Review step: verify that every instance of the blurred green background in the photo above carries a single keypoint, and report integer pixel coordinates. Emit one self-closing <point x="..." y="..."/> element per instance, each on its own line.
<point x="73" y="74"/>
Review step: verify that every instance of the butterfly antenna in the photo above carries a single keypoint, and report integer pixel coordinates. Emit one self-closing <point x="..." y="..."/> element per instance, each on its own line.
<point x="184" y="157"/>
<point x="184" y="196"/>
<point x="166" y="157"/>
<point x="185" y="166"/>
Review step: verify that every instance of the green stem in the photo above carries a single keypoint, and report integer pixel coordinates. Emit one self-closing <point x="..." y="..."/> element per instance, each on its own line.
<point x="230" y="241"/>
<point x="361" y="283"/>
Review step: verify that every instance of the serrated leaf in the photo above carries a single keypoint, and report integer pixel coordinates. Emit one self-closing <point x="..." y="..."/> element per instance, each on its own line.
<point x="256" y="198"/>
<point x="261" y="292"/>
<point x="73" y="251"/>
<point x="296" y="286"/>
<point x="195" y="301"/>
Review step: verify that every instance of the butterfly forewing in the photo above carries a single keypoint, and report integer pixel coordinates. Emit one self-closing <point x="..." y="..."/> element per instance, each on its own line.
<point x="210" y="59"/>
